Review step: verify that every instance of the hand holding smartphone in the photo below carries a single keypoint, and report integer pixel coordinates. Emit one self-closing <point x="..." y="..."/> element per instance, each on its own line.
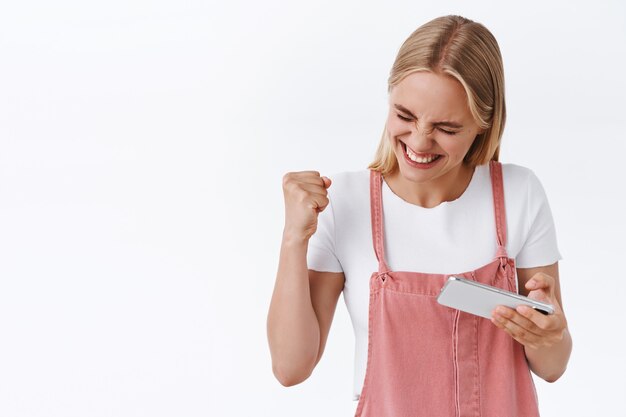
<point x="480" y="299"/>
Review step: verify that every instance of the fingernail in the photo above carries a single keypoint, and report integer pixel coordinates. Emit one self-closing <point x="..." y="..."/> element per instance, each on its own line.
<point x="531" y="284"/>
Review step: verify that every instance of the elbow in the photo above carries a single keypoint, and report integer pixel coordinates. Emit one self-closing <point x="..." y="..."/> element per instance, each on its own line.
<point x="290" y="377"/>
<point x="554" y="377"/>
<point x="551" y="379"/>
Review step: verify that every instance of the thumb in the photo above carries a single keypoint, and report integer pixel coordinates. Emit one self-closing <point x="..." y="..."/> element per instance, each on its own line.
<point x="327" y="182"/>
<point x="540" y="281"/>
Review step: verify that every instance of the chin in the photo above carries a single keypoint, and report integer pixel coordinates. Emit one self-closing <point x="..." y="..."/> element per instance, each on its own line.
<point x="417" y="177"/>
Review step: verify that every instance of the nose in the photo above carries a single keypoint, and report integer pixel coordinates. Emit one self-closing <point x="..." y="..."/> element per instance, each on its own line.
<point x="420" y="139"/>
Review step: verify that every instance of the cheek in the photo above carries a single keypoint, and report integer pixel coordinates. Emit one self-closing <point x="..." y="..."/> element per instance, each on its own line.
<point x="396" y="129"/>
<point x="456" y="145"/>
<point x="396" y="126"/>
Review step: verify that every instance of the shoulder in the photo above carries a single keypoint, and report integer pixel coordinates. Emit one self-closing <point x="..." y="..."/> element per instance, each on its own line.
<point x="522" y="187"/>
<point x="349" y="182"/>
<point x="350" y="178"/>
<point x="518" y="176"/>
<point x="515" y="178"/>
<point x="349" y="188"/>
<point x="520" y="179"/>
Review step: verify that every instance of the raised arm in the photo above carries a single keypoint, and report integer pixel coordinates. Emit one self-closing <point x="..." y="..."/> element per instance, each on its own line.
<point x="304" y="301"/>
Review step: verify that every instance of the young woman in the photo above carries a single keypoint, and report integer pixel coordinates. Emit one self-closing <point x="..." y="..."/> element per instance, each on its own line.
<point x="434" y="203"/>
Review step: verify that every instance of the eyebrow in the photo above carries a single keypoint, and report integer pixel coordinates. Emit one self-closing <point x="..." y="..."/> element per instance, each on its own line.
<point x="442" y="123"/>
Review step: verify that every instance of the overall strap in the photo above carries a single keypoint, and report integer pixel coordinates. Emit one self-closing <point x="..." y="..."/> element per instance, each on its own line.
<point x="376" y="205"/>
<point x="495" y="170"/>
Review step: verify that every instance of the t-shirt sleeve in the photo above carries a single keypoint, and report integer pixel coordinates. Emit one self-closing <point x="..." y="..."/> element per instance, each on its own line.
<point x="321" y="254"/>
<point x="540" y="247"/>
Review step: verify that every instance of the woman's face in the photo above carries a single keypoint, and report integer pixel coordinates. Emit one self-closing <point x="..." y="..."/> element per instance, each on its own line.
<point x="430" y="126"/>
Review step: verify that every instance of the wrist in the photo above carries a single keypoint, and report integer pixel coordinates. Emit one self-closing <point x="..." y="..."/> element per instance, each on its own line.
<point x="294" y="238"/>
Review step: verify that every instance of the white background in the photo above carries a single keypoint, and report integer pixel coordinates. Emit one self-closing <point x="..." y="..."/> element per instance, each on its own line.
<point x="142" y="149"/>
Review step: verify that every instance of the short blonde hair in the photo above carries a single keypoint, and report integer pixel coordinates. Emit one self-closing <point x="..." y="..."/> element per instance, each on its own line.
<point x="467" y="51"/>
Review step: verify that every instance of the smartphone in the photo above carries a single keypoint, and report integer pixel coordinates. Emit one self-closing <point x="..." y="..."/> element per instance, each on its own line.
<point x="480" y="299"/>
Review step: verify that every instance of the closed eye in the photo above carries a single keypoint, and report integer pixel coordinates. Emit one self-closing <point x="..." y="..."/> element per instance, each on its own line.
<point x="447" y="132"/>
<point x="406" y="119"/>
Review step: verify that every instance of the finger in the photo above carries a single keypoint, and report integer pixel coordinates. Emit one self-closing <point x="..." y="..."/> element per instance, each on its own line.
<point x="522" y="335"/>
<point x="314" y="189"/>
<point x="511" y="317"/>
<point x="323" y="182"/>
<point x="514" y="316"/>
<point x="540" y="281"/>
<point x="319" y="202"/>
<point x="542" y="321"/>
<point x="301" y="174"/>
<point x="293" y="179"/>
<point x="311" y="177"/>
<point x="530" y="343"/>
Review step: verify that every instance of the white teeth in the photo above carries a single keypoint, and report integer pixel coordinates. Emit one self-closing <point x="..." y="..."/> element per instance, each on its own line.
<point x="419" y="159"/>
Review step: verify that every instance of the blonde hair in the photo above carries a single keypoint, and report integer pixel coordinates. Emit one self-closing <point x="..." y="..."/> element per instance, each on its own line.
<point x="467" y="51"/>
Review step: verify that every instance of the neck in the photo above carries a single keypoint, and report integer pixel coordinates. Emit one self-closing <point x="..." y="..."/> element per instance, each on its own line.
<point x="431" y="193"/>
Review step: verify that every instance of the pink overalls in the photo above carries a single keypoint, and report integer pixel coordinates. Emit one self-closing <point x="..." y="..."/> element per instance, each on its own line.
<point x="425" y="359"/>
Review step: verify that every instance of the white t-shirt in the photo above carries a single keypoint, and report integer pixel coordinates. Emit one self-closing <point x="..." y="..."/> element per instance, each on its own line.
<point x="453" y="237"/>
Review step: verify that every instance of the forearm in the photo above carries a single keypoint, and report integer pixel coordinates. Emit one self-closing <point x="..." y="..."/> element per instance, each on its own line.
<point x="292" y="327"/>
<point x="549" y="363"/>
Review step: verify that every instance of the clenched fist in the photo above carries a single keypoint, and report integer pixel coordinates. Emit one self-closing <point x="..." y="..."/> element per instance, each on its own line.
<point x="305" y="197"/>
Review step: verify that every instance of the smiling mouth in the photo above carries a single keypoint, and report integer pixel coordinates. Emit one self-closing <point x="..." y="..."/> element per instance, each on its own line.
<point x="419" y="158"/>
